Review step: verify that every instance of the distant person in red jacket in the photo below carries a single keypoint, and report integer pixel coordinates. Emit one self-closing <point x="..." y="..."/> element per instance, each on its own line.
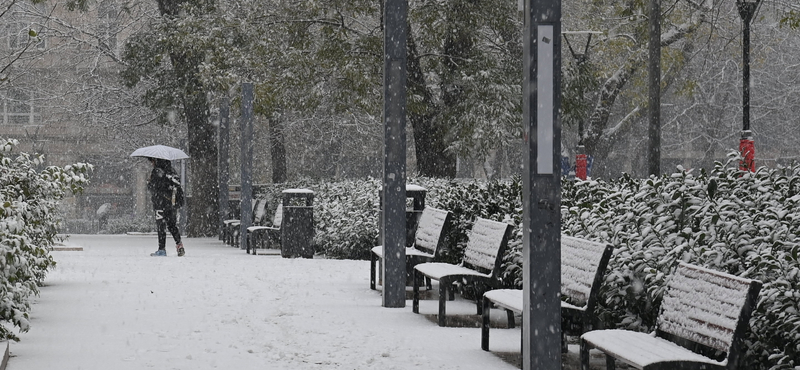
<point x="165" y="190"/>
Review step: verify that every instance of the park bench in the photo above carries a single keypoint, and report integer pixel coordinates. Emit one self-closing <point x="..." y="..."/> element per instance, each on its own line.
<point x="583" y="264"/>
<point x="479" y="269"/>
<point x="263" y="236"/>
<point x="701" y="325"/>
<point x="428" y="239"/>
<point x="231" y="227"/>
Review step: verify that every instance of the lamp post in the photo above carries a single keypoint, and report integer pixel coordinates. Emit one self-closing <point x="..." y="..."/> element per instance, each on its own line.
<point x="747" y="9"/>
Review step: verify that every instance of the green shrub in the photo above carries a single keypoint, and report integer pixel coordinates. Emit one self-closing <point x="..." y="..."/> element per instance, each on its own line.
<point x="742" y="223"/>
<point x="746" y="224"/>
<point x="29" y="222"/>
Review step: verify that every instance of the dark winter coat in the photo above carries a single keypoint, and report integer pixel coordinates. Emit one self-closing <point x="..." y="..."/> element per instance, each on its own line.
<point x="162" y="184"/>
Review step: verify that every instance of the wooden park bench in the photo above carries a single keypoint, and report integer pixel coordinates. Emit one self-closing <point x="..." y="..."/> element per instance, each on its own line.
<point x="583" y="264"/>
<point x="230" y="228"/>
<point x="263" y="236"/>
<point x="703" y="319"/>
<point x="428" y="238"/>
<point x="480" y="267"/>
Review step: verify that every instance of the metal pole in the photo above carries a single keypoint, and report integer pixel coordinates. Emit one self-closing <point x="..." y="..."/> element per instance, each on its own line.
<point x="654" y="102"/>
<point x="183" y="186"/>
<point x="223" y="162"/>
<point x="746" y="73"/>
<point x="393" y="222"/>
<point x="746" y="144"/>
<point x="541" y="331"/>
<point x="247" y="162"/>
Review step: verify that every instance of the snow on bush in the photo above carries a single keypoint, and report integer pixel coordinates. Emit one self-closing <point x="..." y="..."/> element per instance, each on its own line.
<point x="29" y="220"/>
<point x="746" y="224"/>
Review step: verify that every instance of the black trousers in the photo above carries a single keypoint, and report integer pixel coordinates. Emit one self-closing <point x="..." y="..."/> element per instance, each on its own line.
<point x="166" y="219"/>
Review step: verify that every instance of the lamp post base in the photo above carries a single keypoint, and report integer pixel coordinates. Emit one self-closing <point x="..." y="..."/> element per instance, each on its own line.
<point x="748" y="150"/>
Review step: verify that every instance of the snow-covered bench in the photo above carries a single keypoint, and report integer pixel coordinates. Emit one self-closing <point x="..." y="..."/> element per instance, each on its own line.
<point x="702" y="323"/>
<point x="583" y="264"/>
<point x="480" y="267"/>
<point x="230" y="228"/>
<point x="262" y="236"/>
<point x="428" y="238"/>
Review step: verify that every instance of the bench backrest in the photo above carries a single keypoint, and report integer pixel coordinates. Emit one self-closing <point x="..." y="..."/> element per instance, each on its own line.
<point x="259" y="210"/>
<point x="583" y="264"/>
<point x="278" y="218"/>
<point x="431" y="230"/>
<point x="707" y="311"/>
<point x="486" y="246"/>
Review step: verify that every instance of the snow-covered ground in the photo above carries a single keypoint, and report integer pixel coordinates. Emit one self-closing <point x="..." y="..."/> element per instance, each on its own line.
<point x="112" y="306"/>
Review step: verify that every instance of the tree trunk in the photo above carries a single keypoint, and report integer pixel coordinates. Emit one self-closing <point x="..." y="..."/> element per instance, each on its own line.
<point x="203" y="211"/>
<point x="430" y="144"/>
<point x="277" y="150"/>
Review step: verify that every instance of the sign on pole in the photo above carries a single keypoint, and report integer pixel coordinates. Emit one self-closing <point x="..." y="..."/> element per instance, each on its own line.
<point x="541" y="332"/>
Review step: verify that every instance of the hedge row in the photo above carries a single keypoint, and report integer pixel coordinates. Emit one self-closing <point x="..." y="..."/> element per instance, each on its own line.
<point x="29" y="221"/>
<point x="746" y="224"/>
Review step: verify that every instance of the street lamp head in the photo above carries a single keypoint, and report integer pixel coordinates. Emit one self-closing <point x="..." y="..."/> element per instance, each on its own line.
<point x="747" y="9"/>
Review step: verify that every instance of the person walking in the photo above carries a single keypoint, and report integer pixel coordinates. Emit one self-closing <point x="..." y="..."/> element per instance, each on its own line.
<point x="164" y="186"/>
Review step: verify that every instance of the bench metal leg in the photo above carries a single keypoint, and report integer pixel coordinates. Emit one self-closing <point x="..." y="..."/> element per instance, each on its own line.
<point x="372" y="260"/>
<point x="416" y="278"/>
<point x="611" y="363"/>
<point x="485" y="324"/>
<point x="444" y="287"/>
<point x="584" y="355"/>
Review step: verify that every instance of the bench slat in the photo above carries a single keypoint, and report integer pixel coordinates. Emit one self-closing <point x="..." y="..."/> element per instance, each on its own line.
<point x="579" y="263"/>
<point x="482" y="248"/>
<point x="703" y="306"/>
<point x="701" y="323"/>
<point x="429" y="230"/>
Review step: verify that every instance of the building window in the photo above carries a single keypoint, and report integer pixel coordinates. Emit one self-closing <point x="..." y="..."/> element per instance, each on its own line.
<point x="18" y="108"/>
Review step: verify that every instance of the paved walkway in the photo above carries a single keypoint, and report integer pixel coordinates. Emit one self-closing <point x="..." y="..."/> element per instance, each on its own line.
<point x="111" y="306"/>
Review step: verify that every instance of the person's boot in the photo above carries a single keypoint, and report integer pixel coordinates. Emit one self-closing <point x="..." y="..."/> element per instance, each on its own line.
<point x="180" y="249"/>
<point x="159" y="253"/>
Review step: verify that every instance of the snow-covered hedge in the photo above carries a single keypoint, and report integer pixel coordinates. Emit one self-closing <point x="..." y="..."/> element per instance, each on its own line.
<point x="29" y="195"/>
<point x="746" y="224"/>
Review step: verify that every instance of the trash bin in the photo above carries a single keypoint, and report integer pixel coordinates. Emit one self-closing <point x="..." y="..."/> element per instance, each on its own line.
<point x="297" y="226"/>
<point x="416" y="194"/>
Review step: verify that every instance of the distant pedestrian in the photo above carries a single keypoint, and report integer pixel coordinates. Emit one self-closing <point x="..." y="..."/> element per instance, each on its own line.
<point x="102" y="215"/>
<point x="165" y="190"/>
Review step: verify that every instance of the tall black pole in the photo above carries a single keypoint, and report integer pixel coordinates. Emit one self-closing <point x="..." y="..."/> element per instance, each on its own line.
<point x="541" y="331"/>
<point x="746" y="144"/>
<point x="223" y="164"/>
<point x="746" y="76"/>
<point x="246" y="218"/>
<point x="393" y="222"/>
<point x="654" y="80"/>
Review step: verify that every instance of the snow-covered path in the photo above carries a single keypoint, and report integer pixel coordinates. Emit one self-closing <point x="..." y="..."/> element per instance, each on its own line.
<point x="112" y="306"/>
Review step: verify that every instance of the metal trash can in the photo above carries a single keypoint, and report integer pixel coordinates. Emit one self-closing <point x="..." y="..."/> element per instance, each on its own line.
<point x="415" y="195"/>
<point x="297" y="226"/>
